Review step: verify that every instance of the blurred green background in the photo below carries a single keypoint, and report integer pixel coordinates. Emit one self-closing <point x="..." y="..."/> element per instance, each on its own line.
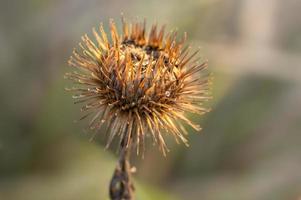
<point x="249" y="148"/>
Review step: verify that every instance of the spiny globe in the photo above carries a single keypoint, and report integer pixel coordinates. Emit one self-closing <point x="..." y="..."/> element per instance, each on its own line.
<point x="138" y="84"/>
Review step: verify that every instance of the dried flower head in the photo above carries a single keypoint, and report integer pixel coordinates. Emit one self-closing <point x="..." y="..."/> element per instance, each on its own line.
<point x="137" y="84"/>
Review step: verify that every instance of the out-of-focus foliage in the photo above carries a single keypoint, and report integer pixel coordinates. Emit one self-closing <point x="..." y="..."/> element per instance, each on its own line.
<point x="250" y="144"/>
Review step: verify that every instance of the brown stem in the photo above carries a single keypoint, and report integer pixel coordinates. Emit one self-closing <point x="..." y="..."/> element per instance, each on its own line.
<point x="121" y="186"/>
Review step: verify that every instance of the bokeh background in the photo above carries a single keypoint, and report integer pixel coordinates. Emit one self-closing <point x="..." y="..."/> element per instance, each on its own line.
<point x="250" y="144"/>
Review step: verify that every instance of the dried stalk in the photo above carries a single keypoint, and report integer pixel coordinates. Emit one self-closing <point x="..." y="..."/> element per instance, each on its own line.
<point x="121" y="186"/>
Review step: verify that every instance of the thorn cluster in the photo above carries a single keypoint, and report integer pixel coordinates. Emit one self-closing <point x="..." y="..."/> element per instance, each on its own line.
<point x="138" y="84"/>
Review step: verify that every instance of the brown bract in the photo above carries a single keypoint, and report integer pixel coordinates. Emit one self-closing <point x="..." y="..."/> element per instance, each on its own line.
<point x="137" y="84"/>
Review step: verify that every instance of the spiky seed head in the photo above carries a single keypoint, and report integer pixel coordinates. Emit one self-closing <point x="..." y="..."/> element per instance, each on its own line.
<point x="138" y="84"/>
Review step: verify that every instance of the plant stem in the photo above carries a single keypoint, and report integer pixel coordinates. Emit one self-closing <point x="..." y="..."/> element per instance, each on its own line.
<point x="121" y="186"/>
